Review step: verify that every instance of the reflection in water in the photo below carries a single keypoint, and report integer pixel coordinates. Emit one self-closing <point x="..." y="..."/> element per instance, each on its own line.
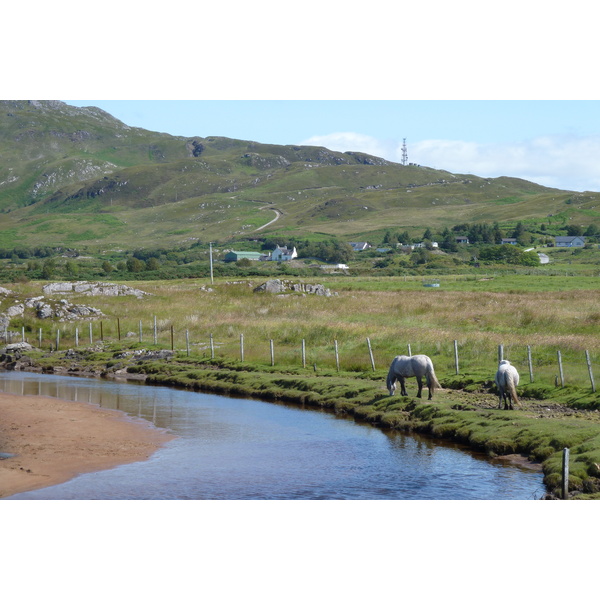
<point x="231" y="448"/>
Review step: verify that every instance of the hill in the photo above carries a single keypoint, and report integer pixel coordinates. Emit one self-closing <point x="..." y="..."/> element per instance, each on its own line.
<point x="78" y="176"/>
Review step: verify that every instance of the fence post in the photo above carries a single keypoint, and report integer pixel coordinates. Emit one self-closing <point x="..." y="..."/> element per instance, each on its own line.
<point x="118" y="329"/>
<point x="187" y="342"/>
<point x="409" y="350"/>
<point x="272" y="349"/>
<point x="22" y="334"/>
<point x="91" y="333"/>
<point x="172" y="339"/>
<point x="565" y="474"/>
<point x="337" y="356"/>
<point x="101" y="331"/>
<point x="456" y="356"/>
<point x="212" y="347"/>
<point x="140" y="328"/>
<point x="242" y="347"/>
<point x="560" y="369"/>
<point x="57" y="338"/>
<point x="530" y="364"/>
<point x="155" y="330"/>
<point x="76" y="337"/>
<point x="500" y="353"/>
<point x="371" y="354"/>
<point x="304" y="354"/>
<point x="40" y="336"/>
<point x="589" y="365"/>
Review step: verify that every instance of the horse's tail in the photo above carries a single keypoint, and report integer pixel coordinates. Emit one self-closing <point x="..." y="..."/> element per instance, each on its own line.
<point x="509" y="384"/>
<point x="432" y="380"/>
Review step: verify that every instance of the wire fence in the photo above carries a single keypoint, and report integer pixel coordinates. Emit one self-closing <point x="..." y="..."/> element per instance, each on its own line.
<point x="558" y="367"/>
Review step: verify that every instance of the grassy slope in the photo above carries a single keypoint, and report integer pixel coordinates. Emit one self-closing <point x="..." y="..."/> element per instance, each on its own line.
<point x="67" y="166"/>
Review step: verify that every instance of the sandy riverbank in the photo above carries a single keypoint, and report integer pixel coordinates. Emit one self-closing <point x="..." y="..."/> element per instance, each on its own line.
<point x="54" y="440"/>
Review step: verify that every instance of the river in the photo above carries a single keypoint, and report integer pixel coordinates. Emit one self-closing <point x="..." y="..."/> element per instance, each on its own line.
<point x="236" y="448"/>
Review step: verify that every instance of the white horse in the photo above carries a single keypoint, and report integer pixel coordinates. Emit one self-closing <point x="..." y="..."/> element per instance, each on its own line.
<point x="412" y="366"/>
<point x="507" y="379"/>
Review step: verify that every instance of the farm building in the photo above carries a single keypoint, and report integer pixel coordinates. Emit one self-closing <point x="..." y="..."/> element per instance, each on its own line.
<point x="569" y="241"/>
<point x="512" y="241"/>
<point x="234" y="256"/>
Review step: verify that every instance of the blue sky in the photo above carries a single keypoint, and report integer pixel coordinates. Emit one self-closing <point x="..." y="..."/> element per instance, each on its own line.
<point x="551" y="142"/>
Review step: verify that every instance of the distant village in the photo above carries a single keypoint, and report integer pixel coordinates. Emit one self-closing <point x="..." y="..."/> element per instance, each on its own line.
<point x="284" y="254"/>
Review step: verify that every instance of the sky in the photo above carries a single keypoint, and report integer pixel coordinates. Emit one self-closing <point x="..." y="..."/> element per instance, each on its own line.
<point x="555" y="143"/>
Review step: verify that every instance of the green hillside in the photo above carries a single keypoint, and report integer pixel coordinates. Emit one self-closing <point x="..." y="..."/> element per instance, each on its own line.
<point x="73" y="175"/>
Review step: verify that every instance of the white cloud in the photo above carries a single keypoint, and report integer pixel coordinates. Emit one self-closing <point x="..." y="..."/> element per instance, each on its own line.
<point x="565" y="162"/>
<point x="353" y="142"/>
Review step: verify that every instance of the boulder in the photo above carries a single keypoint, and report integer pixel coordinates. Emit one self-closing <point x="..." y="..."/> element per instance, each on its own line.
<point x="278" y="286"/>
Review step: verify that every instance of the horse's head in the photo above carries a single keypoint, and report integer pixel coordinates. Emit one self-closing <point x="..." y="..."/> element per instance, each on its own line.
<point x="391" y="388"/>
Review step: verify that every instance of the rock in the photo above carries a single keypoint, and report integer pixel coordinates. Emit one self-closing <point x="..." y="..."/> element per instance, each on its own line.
<point x="18" y="347"/>
<point x="43" y="310"/>
<point x="154" y="355"/>
<point x="87" y="288"/>
<point x="274" y="286"/>
<point x="15" y="310"/>
<point x="278" y="286"/>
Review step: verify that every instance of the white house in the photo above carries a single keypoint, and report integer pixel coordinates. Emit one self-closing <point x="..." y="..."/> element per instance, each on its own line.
<point x="569" y="241"/>
<point x="282" y="253"/>
<point x="512" y="241"/>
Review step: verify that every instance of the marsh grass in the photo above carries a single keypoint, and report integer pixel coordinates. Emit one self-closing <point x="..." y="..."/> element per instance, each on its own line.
<point x="387" y="312"/>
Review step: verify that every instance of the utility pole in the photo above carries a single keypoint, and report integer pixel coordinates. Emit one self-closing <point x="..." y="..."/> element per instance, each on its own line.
<point x="404" y="152"/>
<point x="211" y="263"/>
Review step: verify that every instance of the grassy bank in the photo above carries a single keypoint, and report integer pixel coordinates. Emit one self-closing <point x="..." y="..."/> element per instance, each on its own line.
<point x="539" y="431"/>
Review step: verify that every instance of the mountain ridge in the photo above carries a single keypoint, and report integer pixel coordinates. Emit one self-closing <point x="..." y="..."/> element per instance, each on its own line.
<point x="91" y="178"/>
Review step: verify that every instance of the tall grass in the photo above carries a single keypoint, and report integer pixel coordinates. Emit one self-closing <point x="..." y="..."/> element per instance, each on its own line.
<point x="391" y="317"/>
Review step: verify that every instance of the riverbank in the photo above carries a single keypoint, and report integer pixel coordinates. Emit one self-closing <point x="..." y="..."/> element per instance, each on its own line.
<point x="465" y="411"/>
<point x="51" y="441"/>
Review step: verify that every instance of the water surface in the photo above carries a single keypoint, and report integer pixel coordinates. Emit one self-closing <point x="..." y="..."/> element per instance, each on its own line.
<point x="235" y="448"/>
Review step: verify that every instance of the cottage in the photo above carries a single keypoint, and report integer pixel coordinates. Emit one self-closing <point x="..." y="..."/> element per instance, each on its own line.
<point x="461" y="240"/>
<point x="569" y="241"/>
<point x="512" y="241"/>
<point x="282" y="253"/>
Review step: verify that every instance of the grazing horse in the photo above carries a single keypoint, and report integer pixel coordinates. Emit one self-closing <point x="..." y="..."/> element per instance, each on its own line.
<point x="412" y="366"/>
<point x="507" y="379"/>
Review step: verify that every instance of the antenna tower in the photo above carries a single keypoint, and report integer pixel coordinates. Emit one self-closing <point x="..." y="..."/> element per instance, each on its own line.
<point x="404" y="153"/>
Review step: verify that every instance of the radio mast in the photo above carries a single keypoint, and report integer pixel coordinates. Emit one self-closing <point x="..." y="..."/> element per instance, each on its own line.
<point x="404" y="153"/>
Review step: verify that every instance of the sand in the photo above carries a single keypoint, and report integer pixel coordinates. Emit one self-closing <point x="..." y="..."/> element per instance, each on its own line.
<point x="54" y="440"/>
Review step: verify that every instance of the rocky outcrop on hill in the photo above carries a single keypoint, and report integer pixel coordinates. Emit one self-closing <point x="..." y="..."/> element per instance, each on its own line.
<point x="281" y="286"/>
<point x="86" y="288"/>
<point x="44" y="308"/>
<point x="63" y="310"/>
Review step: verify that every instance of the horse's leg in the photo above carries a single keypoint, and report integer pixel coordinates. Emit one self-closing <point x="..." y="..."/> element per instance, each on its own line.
<point x="420" y="384"/>
<point x="429" y="387"/>
<point x="402" y="386"/>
